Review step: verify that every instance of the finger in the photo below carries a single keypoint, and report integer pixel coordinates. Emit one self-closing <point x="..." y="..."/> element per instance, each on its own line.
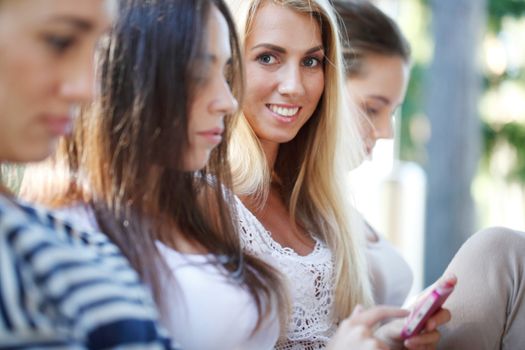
<point x="423" y="340"/>
<point x="357" y="310"/>
<point x="447" y="280"/>
<point x="382" y="346"/>
<point x="444" y="282"/>
<point x="375" y="345"/>
<point x="378" y="313"/>
<point x="439" y="318"/>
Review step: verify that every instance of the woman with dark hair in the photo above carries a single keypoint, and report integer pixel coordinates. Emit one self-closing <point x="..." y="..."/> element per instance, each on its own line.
<point x="377" y="60"/>
<point x="59" y="287"/>
<point x="487" y="304"/>
<point x="150" y="171"/>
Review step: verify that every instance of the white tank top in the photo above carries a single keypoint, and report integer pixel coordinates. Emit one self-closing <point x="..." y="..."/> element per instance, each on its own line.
<point x="211" y="312"/>
<point x="390" y="275"/>
<point x="207" y="310"/>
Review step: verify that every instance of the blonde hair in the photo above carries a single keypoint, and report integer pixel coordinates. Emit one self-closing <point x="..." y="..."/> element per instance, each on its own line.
<point x="324" y="150"/>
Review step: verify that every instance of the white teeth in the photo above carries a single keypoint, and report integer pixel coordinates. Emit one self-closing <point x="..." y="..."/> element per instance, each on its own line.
<point x="285" y="112"/>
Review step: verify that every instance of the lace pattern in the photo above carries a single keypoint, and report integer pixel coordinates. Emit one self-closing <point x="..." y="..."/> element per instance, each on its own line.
<point x="310" y="280"/>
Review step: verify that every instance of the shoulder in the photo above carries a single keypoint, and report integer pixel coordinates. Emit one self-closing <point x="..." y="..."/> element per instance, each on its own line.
<point x="79" y="278"/>
<point x="194" y="276"/>
<point x="250" y="228"/>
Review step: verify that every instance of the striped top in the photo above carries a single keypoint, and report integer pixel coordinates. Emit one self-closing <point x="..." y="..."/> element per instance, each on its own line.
<point x="61" y="288"/>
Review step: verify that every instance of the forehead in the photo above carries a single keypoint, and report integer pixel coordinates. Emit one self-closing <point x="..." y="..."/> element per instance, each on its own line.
<point x="218" y="33"/>
<point x="385" y="68"/>
<point x="382" y="75"/>
<point x="97" y="13"/>
<point x="285" y="27"/>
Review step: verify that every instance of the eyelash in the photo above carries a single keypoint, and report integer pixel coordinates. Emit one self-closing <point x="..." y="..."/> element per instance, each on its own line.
<point x="318" y="61"/>
<point x="58" y="43"/>
<point x="203" y="75"/>
<point x="371" y="112"/>
<point x="265" y="55"/>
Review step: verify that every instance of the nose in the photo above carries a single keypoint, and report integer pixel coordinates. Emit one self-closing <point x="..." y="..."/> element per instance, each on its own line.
<point x="78" y="80"/>
<point x="224" y="102"/>
<point x="383" y="128"/>
<point x="291" y="82"/>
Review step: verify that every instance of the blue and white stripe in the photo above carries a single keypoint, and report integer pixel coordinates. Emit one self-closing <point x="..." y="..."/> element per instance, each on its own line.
<point x="61" y="288"/>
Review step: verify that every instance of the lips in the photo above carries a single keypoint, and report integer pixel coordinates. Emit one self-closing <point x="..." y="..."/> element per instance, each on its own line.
<point x="286" y="111"/>
<point x="284" y="114"/>
<point x="213" y="136"/>
<point x="58" y="125"/>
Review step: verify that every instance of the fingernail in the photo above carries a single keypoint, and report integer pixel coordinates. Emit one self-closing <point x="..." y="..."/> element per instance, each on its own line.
<point x="450" y="275"/>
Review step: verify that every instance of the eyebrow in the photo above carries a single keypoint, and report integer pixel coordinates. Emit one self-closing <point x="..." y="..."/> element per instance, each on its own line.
<point x="381" y="98"/>
<point x="75" y="22"/>
<point x="283" y="50"/>
<point x="213" y="58"/>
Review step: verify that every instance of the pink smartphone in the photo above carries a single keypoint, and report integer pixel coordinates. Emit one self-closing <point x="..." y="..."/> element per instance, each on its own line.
<point x="425" y="309"/>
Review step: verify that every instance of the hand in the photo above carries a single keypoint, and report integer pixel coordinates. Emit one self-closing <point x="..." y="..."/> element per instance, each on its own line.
<point x="390" y="333"/>
<point x="356" y="332"/>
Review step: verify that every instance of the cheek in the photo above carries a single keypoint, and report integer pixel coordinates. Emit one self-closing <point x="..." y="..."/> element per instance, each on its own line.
<point x="366" y="127"/>
<point x="383" y="121"/>
<point x="258" y="83"/>
<point x="21" y="102"/>
<point x="200" y="100"/>
<point x="315" y="87"/>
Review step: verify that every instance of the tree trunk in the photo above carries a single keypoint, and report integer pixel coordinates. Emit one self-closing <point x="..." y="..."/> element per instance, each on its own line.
<point x="453" y="87"/>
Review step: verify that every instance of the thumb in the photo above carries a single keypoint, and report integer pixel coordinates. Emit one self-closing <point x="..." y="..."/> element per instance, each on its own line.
<point x="357" y="310"/>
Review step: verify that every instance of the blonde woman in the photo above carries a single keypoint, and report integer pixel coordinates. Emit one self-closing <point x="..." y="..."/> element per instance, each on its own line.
<point x="289" y="167"/>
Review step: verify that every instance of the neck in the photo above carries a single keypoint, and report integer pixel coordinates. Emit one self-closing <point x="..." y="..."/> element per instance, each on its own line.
<point x="4" y="191"/>
<point x="270" y="149"/>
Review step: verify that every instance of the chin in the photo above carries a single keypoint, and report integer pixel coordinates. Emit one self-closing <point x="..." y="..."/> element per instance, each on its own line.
<point x="277" y="136"/>
<point x="196" y="163"/>
<point x="284" y="139"/>
<point x="33" y="155"/>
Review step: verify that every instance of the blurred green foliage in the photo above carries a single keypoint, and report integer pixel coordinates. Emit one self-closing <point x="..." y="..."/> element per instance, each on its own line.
<point x="513" y="135"/>
<point x="494" y="134"/>
<point x="413" y="106"/>
<point x="499" y="9"/>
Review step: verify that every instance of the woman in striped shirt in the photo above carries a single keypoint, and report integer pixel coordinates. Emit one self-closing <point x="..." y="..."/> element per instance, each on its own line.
<point x="59" y="287"/>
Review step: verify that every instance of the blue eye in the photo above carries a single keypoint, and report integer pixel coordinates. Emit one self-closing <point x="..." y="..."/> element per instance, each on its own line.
<point x="312" y="62"/>
<point x="266" y="59"/>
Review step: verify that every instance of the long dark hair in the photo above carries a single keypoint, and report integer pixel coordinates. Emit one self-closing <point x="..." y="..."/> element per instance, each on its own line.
<point x="366" y="29"/>
<point x="130" y="148"/>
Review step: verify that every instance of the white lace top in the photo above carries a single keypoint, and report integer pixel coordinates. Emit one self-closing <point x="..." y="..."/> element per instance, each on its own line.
<point x="310" y="280"/>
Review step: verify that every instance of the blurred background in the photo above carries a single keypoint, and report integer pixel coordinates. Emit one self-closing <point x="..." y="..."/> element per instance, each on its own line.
<point x="458" y="161"/>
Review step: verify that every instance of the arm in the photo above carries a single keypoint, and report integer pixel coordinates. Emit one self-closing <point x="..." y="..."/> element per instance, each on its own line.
<point x="89" y="292"/>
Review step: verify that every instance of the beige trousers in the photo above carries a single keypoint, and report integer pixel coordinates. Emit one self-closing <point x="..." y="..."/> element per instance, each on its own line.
<point x="488" y="304"/>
